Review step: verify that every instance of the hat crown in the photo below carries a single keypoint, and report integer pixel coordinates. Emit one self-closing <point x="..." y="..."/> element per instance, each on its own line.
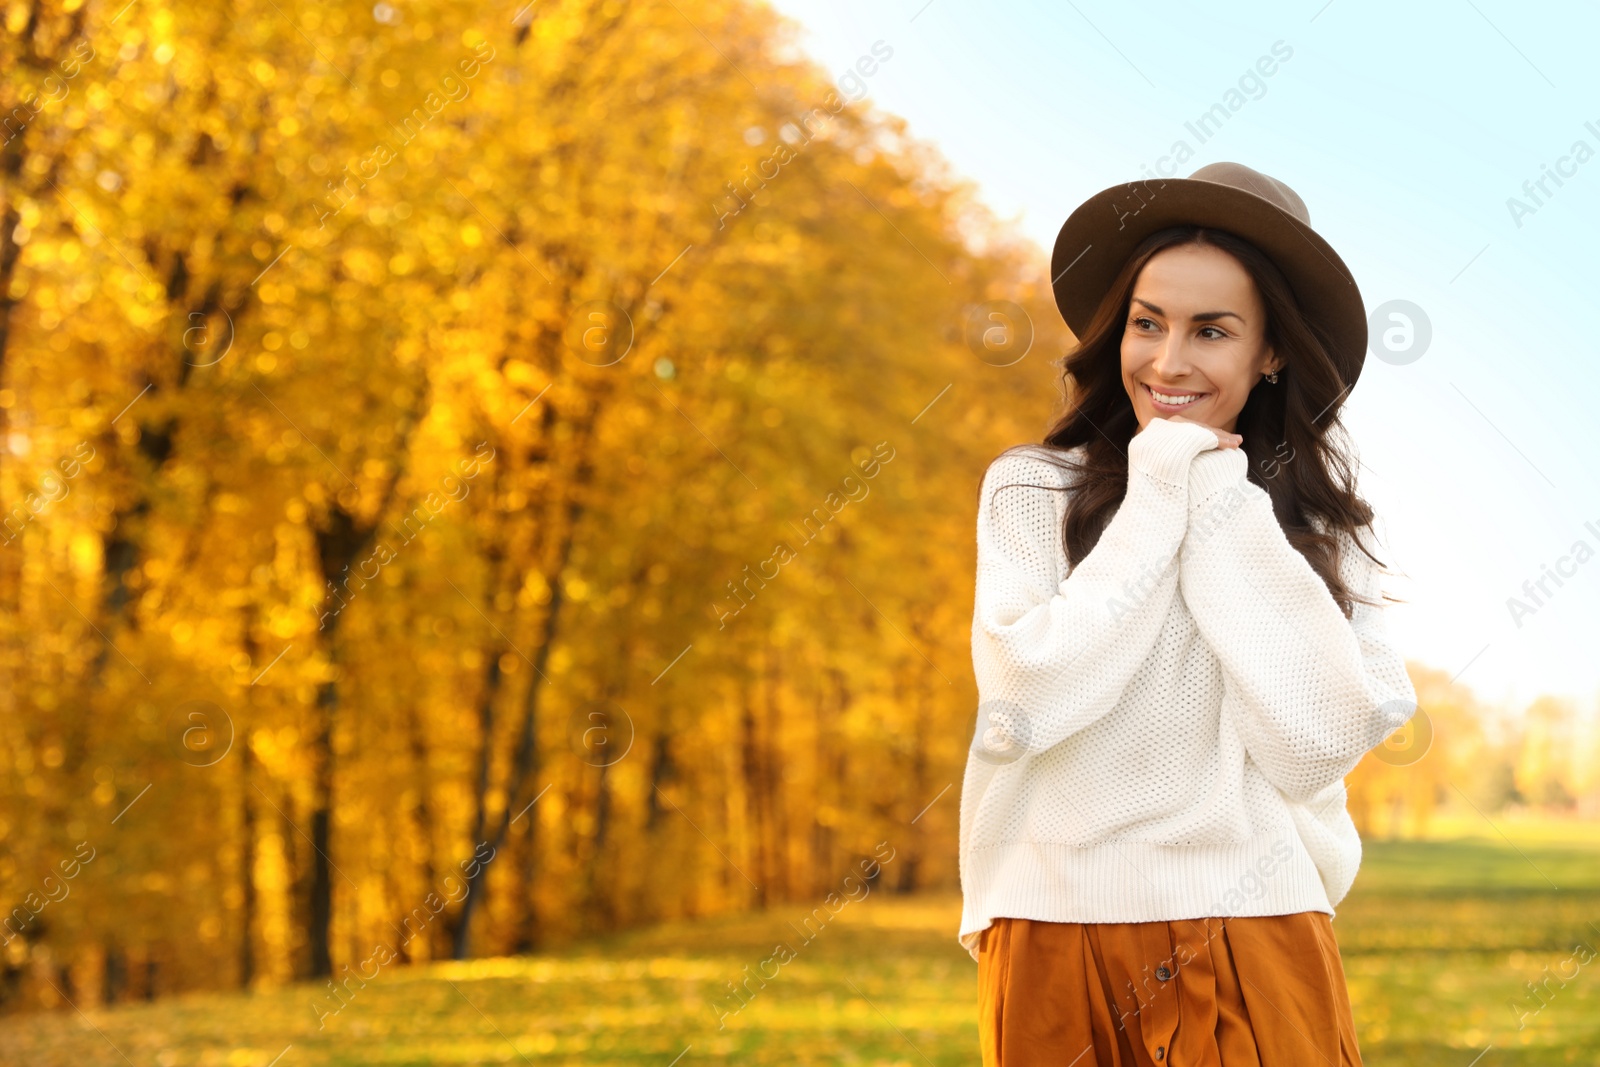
<point x="1252" y="181"/>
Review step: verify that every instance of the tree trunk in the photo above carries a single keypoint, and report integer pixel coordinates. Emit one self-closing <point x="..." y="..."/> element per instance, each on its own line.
<point x="319" y="919"/>
<point x="750" y="764"/>
<point x="525" y="763"/>
<point x="480" y="821"/>
<point x="777" y="830"/>
<point x="422" y="819"/>
<point x="341" y="539"/>
<point x="247" y="867"/>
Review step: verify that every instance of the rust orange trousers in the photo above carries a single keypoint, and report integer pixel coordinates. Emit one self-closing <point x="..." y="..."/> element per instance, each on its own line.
<point x="1245" y="992"/>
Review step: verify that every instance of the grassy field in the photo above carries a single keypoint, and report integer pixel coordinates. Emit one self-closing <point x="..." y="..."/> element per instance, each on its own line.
<point x="1438" y="939"/>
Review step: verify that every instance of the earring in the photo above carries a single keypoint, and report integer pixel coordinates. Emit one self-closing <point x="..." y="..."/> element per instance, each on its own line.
<point x="1273" y="377"/>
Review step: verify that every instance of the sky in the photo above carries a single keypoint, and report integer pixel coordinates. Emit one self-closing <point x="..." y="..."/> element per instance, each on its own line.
<point x="1408" y="130"/>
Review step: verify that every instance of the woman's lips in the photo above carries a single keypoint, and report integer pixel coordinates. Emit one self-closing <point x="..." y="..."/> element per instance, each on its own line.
<point x="1167" y="409"/>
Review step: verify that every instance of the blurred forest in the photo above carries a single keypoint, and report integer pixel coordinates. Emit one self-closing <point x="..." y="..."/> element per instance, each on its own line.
<point x="474" y="477"/>
<point x="403" y="404"/>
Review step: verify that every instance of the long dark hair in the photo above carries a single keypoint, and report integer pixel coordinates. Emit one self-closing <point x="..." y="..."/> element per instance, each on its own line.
<point x="1289" y="428"/>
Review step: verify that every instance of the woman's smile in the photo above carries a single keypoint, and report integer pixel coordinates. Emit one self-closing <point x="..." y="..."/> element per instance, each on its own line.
<point x="1167" y="403"/>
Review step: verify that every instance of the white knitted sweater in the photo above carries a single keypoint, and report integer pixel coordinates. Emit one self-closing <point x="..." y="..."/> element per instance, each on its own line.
<point x="1164" y="730"/>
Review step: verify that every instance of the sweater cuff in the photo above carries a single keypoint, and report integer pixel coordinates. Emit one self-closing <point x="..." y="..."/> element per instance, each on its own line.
<point x="1163" y="449"/>
<point x="1215" y="472"/>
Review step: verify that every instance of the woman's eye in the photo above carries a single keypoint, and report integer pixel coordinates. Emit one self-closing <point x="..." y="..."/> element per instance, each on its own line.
<point x="1220" y="333"/>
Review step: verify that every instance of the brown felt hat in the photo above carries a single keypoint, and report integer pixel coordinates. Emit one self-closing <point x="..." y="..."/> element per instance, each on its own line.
<point x="1098" y="237"/>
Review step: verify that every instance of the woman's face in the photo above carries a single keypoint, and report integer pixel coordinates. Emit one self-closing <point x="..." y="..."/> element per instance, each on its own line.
<point x="1196" y="327"/>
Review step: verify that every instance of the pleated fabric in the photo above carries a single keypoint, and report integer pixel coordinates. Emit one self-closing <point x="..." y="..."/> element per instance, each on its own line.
<point x="1257" y="991"/>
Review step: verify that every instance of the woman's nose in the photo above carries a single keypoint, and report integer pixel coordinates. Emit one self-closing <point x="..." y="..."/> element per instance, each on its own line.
<point x="1171" y="360"/>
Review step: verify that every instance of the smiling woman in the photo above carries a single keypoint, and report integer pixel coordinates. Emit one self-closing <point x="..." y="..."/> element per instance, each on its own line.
<point x="1178" y="658"/>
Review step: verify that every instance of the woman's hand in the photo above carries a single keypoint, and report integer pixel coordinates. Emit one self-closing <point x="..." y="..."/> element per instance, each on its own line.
<point x="1225" y="439"/>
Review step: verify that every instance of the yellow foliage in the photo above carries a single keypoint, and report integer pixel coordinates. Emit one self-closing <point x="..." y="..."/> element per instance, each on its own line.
<point x="312" y="287"/>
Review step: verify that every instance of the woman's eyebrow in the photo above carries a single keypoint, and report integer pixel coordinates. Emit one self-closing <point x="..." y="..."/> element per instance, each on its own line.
<point x="1204" y="316"/>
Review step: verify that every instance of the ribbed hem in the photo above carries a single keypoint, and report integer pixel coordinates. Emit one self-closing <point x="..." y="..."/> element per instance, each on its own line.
<point x="1164" y="448"/>
<point x="1270" y="873"/>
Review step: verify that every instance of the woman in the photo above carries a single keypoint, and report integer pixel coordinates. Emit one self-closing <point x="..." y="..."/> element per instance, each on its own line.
<point x="1180" y="651"/>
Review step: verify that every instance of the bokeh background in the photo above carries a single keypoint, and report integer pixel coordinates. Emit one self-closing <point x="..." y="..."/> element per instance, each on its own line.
<point x="487" y="497"/>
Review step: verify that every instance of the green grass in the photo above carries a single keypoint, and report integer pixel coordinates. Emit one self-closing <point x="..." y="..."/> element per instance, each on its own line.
<point x="1437" y="937"/>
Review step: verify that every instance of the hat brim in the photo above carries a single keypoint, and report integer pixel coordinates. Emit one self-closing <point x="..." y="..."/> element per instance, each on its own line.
<point x="1097" y="238"/>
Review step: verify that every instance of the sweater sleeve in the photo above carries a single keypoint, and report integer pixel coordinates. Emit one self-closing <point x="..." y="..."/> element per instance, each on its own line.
<point x="1052" y="654"/>
<point x="1311" y="691"/>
